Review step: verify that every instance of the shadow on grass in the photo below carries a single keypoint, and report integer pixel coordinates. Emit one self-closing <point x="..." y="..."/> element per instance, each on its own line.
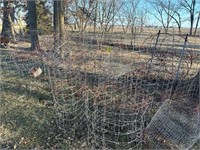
<point x="24" y="90"/>
<point x="31" y="126"/>
<point x="27" y="116"/>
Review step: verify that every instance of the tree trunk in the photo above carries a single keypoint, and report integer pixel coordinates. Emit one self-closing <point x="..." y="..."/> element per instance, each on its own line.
<point x="62" y="27"/>
<point x="7" y="28"/>
<point x="192" y="13"/>
<point x="95" y="16"/>
<point x="197" y="23"/>
<point x="191" y="22"/>
<point x="32" y="20"/>
<point x="59" y="23"/>
<point x="56" y="26"/>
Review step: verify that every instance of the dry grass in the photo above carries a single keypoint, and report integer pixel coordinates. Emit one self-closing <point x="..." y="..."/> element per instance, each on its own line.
<point x="27" y="114"/>
<point x="27" y="117"/>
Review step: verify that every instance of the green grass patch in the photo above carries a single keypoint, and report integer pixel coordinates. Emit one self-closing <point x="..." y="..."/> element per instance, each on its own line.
<point x="27" y="114"/>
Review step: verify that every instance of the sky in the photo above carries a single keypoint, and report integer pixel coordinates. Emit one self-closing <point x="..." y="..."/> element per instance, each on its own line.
<point x="151" y="20"/>
<point x="184" y="14"/>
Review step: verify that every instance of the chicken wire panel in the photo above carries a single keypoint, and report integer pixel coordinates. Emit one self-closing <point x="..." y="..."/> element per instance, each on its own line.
<point x="176" y="125"/>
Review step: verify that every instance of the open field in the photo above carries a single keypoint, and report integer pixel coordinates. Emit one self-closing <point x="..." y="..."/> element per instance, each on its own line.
<point x="101" y="95"/>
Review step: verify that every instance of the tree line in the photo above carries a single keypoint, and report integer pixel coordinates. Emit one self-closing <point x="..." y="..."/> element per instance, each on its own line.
<point x="100" y="15"/>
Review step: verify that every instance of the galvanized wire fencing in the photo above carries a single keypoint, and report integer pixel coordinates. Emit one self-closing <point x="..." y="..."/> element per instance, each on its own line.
<point x="106" y="92"/>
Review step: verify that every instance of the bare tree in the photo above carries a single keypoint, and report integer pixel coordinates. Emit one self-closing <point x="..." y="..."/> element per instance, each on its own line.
<point x="124" y="19"/>
<point x="95" y="15"/>
<point x="32" y="21"/>
<point x="197" y="23"/>
<point x="172" y="9"/>
<point x="81" y="12"/>
<point x="107" y="11"/>
<point x="164" y="12"/>
<point x="142" y="18"/>
<point x="189" y="6"/>
<point x="131" y="16"/>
